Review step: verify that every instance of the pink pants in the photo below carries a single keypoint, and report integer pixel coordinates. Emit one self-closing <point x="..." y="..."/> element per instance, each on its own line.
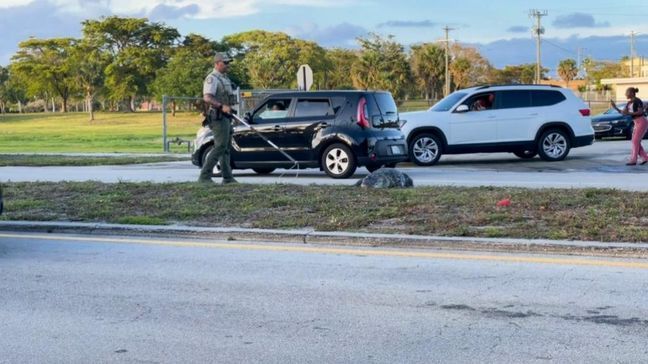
<point x="640" y="127"/>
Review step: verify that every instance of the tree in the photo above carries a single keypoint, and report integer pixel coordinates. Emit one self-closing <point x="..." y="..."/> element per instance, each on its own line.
<point x="138" y="49"/>
<point x="183" y="75"/>
<point x="198" y="44"/>
<point x="381" y="65"/>
<point x="45" y="65"/>
<point x="460" y="71"/>
<point x="339" y="76"/>
<point x="185" y="72"/>
<point x="13" y="89"/>
<point x="4" y="78"/>
<point x="567" y="70"/>
<point x="472" y="68"/>
<point x="520" y="74"/>
<point x="271" y="60"/>
<point x="428" y="68"/>
<point x="598" y="70"/>
<point x="89" y="62"/>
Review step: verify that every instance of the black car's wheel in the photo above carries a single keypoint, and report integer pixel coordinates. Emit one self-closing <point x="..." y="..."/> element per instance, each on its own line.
<point x="425" y="149"/>
<point x="263" y="170"/>
<point x="338" y="161"/>
<point x="553" y="145"/>
<point x="217" y="170"/>
<point x="526" y="154"/>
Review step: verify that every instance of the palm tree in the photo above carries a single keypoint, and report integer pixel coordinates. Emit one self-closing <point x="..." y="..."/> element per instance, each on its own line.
<point x="567" y="70"/>
<point x="428" y="66"/>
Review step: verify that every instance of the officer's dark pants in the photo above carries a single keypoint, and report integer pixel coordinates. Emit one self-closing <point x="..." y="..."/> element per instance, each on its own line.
<point x="222" y="130"/>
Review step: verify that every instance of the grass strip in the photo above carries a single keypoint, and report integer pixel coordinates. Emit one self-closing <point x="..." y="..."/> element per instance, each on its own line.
<point x="586" y="214"/>
<point x="7" y="160"/>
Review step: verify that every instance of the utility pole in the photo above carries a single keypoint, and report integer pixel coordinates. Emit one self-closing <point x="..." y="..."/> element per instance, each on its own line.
<point x="538" y="30"/>
<point x="447" y="60"/>
<point x="579" y="62"/>
<point x="632" y="52"/>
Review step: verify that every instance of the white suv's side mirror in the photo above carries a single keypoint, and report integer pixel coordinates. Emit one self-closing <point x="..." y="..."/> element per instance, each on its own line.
<point x="462" y="108"/>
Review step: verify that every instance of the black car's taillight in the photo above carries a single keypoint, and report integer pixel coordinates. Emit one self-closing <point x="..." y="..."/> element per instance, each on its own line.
<point x="363" y="112"/>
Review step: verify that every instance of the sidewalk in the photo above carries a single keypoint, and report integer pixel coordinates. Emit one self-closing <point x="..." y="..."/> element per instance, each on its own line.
<point x="306" y="236"/>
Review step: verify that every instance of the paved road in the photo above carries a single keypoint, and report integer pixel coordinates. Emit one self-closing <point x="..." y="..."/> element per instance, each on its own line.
<point x="597" y="166"/>
<point x="101" y="299"/>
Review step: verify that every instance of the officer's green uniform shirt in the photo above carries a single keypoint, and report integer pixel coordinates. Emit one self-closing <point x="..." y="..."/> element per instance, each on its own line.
<point x="220" y="86"/>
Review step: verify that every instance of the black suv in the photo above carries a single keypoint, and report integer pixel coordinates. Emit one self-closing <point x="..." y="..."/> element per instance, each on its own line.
<point x="336" y="131"/>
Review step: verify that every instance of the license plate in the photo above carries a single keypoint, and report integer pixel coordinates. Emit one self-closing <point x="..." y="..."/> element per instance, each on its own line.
<point x="396" y="149"/>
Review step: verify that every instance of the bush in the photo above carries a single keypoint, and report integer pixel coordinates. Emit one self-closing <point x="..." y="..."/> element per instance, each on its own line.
<point x="35" y="106"/>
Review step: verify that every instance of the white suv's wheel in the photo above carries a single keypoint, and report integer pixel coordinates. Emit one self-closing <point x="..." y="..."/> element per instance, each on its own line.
<point x="553" y="145"/>
<point x="217" y="169"/>
<point x="425" y="149"/>
<point x="338" y="161"/>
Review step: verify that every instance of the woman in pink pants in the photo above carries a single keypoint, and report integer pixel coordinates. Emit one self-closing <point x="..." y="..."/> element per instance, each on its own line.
<point x="635" y="108"/>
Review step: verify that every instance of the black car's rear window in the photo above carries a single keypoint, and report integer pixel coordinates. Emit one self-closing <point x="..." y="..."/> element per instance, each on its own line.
<point x="313" y="107"/>
<point x="382" y="109"/>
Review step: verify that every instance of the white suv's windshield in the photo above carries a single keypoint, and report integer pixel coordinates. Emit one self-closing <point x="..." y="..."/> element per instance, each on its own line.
<point x="448" y="102"/>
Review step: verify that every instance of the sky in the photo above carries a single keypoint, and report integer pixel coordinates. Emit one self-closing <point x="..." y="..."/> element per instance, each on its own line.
<point x="500" y="29"/>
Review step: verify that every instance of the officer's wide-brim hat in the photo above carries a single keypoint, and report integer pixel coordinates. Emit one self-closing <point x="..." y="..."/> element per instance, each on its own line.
<point x="222" y="57"/>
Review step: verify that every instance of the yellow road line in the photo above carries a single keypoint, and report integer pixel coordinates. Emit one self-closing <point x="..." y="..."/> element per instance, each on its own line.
<point x="344" y="251"/>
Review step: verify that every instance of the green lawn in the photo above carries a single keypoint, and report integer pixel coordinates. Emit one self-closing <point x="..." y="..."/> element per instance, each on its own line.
<point x="414" y="105"/>
<point x="39" y="160"/>
<point x="139" y="132"/>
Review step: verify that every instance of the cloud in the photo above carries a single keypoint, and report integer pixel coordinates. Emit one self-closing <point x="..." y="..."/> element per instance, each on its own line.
<point x="171" y="9"/>
<point x="518" y="29"/>
<point x="407" y="24"/>
<point x="340" y="35"/>
<point x="39" y="19"/>
<point x="522" y="50"/>
<point x="173" y="12"/>
<point x="578" y="20"/>
<point x="14" y="3"/>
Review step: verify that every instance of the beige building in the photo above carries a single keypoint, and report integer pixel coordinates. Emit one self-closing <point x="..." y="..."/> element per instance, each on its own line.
<point x="619" y="86"/>
<point x="636" y="67"/>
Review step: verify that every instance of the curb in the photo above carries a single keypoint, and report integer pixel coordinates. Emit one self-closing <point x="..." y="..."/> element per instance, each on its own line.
<point x="307" y="236"/>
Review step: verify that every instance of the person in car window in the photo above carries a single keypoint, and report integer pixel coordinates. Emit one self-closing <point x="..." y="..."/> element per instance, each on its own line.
<point x="635" y="108"/>
<point x="483" y="103"/>
<point x="278" y="107"/>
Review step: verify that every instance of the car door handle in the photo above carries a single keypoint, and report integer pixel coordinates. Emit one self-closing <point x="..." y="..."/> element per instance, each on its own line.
<point x="278" y="128"/>
<point x="323" y="125"/>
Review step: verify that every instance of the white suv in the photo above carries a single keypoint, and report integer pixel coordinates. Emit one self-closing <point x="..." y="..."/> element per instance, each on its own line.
<point x="522" y="119"/>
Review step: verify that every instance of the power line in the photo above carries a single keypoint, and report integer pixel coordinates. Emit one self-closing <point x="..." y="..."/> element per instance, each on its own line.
<point x="566" y="50"/>
<point x="538" y="30"/>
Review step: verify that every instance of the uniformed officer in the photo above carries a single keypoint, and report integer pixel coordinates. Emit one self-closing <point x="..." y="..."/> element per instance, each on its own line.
<point x="218" y="93"/>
